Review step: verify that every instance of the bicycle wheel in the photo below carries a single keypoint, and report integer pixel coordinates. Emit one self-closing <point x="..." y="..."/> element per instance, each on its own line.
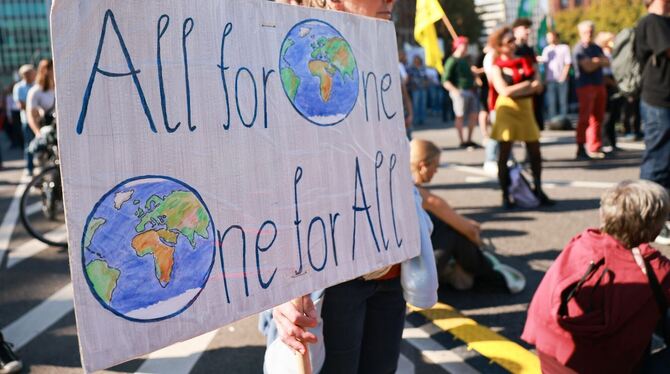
<point x="42" y="210"/>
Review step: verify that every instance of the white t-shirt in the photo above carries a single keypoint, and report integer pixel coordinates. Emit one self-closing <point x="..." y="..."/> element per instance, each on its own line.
<point x="40" y="100"/>
<point x="403" y="72"/>
<point x="488" y="64"/>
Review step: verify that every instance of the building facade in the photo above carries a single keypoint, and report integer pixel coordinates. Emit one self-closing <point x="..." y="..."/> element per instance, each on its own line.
<point x="24" y="35"/>
<point x="493" y="15"/>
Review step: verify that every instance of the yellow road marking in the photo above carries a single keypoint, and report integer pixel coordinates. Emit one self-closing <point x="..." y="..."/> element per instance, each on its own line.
<point x="489" y="344"/>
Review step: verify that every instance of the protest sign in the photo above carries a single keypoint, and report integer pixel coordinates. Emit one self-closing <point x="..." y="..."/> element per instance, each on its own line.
<point x="220" y="158"/>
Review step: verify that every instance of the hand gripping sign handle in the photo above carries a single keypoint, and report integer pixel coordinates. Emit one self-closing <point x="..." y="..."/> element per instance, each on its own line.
<point x="303" y="363"/>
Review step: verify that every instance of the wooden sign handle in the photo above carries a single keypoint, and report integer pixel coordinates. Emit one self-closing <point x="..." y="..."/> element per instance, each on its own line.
<point x="303" y="362"/>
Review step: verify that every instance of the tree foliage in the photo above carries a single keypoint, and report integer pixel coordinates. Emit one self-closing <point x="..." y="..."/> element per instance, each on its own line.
<point x="608" y="15"/>
<point x="463" y="17"/>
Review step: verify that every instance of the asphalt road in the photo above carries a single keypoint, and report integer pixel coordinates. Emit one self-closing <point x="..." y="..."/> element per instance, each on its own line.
<point x="36" y="302"/>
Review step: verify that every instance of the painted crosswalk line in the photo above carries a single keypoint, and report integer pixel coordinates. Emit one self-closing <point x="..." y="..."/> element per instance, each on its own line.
<point x="432" y="351"/>
<point x="504" y="352"/>
<point x="482" y="176"/>
<point x="9" y="220"/>
<point x="177" y="358"/>
<point x="40" y="318"/>
<point x="405" y="366"/>
<point x="33" y="247"/>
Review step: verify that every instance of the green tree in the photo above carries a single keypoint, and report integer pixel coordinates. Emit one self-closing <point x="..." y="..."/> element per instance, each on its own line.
<point x="463" y="17"/>
<point x="608" y="15"/>
<point x="461" y="13"/>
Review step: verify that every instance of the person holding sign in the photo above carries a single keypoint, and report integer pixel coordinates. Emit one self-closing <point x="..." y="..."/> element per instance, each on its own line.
<point x="363" y="318"/>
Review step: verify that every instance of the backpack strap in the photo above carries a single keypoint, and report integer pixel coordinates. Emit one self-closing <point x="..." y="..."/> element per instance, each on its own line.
<point x="657" y="291"/>
<point x="661" y="300"/>
<point x="569" y="293"/>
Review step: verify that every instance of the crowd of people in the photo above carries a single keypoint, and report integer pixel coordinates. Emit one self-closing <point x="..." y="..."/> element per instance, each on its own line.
<point x="25" y="106"/>
<point x="582" y="72"/>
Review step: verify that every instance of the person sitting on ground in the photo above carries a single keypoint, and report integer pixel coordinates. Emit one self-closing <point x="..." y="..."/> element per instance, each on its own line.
<point x="456" y="239"/>
<point x="595" y="310"/>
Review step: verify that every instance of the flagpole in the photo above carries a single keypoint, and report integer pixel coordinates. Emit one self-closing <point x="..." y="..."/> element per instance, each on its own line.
<point x="447" y="23"/>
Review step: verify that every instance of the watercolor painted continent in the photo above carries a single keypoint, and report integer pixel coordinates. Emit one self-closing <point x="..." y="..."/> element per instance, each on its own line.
<point x="148" y="248"/>
<point x="319" y="72"/>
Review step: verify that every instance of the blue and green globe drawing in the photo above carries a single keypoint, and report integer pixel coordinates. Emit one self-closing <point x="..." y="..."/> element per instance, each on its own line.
<point x="148" y="248"/>
<point x="319" y="72"/>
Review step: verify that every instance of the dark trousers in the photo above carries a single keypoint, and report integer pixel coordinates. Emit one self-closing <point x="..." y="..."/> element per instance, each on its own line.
<point x="447" y="107"/>
<point x="362" y="326"/>
<point x="631" y="115"/>
<point x="614" y="103"/>
<point x="656" y="159"/>
<point x="14" y="129"/>
<point x="538" y="110"/>
<point x="28" y="136"/>
<point x="449" y="244"/>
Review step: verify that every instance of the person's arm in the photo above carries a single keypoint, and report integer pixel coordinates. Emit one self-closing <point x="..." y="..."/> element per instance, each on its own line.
<point x="17" y="98"/>
<point x="565" y="73"/>
<point x="442" y="210"/>
<point x="477" y="70"/>
<point x="449" y="86"/>
<point x="292" y="322"/>
<point x="536" y="84"/>
<point x="407" y="105"/>
<point x="589" y="65"/>
<point x="516" y="90"/>
<point x="449" y="68"/>
<point x="33" y="113"/>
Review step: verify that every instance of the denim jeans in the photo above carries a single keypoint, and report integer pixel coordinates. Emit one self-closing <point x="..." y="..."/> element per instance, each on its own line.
<point x="362" y="326"/>
<point x="656" y="159"/>
<point x="28" y="136"/>
<point x="419" y="105"/>
<point x="491" y="150"/>
<point x="556" y="99"/>
<point x="436" y="98"/>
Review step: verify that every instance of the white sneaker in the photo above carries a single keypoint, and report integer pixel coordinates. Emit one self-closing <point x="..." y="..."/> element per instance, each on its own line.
<point x="514" y="279"/>
<point x="490" y="167"/>
<point x="664" y="237"/>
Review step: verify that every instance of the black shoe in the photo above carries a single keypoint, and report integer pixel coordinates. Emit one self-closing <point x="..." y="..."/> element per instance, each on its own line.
<point x="581" y="153"/>
<point x="507" y="204"/>
<point x="544" y="199"/>
<point x="463" y="145"/>
<point x="9" y="361"/>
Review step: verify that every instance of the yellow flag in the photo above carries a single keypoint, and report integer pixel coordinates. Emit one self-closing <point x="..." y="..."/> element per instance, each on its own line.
<point x="427" y="13"/>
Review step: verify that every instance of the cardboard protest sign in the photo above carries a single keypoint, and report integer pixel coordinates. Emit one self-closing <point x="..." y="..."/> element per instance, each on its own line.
<point x="220" y="158"/>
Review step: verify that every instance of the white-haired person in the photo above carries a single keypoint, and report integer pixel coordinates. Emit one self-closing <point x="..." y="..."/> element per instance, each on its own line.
<point x="589" y="61"/>
<point x="596" y="309"/>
